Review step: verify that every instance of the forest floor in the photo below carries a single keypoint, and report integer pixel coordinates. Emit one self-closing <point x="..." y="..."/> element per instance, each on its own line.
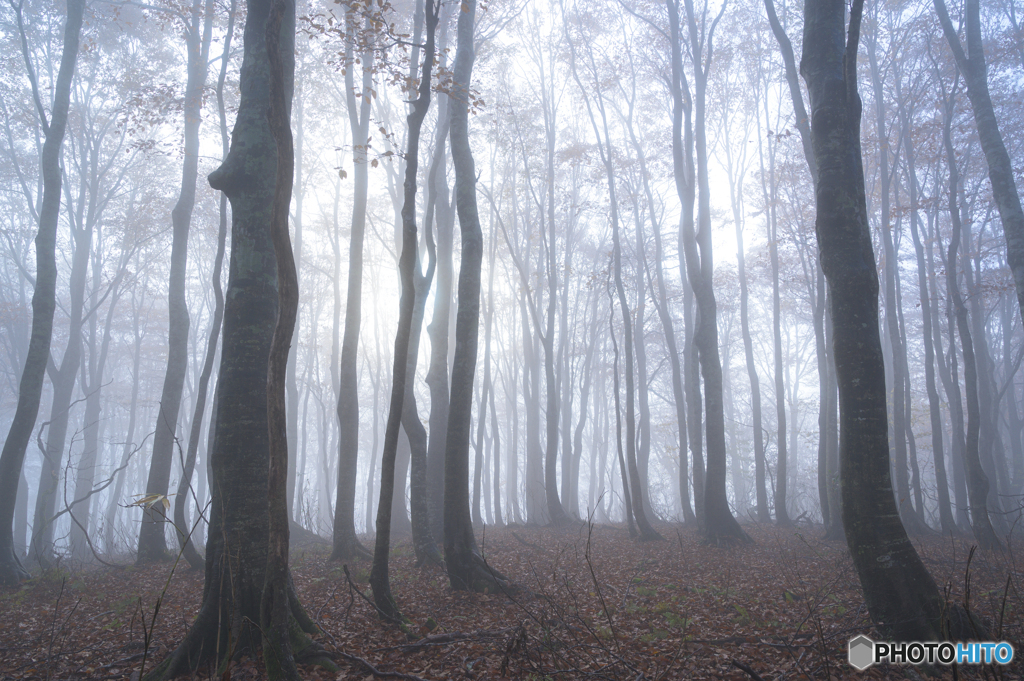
<point x="591" y="603"/>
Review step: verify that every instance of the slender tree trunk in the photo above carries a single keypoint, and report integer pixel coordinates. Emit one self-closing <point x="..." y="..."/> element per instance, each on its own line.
<point x="466" y="567"/>
<point x="647" y="532"/>
<point x="627" y="500"/>
<point x="152" y="543"/>
<point x="719" y="523"/>
<point x="63" y="380"/>
<point x="1000" y="169"/>
<point x="346" y="544"/>
<point x="977" y="481"/>
<point x="946" y="521"/>
<point x="443" y="217"/>
<point x="30" y="388"/>
<point x="129" y="444"/>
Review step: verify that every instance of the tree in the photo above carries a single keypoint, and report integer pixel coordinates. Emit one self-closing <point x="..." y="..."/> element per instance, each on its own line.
<point x="902" y="598"/>
<point x="198" y="34"/>
<point x="247" y="547"/>
<point x="183" y="496"/>
<point x="1000" y="169"/>
<point x="404" y="349"/>
<point x="466" y="567"/>
<point x="605" y="150"/>
<point x="44" y="297"/>
<point x="346" y="545"/>
<point x="977" y="481"/>
<point x="719" y="523"/>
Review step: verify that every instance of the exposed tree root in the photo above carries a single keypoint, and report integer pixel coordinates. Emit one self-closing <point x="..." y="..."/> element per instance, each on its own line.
<point x="211" y="641"/>
<point x="350" y="549"/>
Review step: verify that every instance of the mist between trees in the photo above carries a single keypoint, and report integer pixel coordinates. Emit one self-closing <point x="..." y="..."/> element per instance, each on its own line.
<point x="711" y="269"/>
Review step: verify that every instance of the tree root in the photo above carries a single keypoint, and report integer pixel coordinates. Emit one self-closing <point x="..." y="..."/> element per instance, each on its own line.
<point x="350" y="549"/>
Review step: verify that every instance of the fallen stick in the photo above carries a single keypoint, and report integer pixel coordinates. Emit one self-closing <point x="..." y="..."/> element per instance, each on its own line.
<point x="750" y="672"/>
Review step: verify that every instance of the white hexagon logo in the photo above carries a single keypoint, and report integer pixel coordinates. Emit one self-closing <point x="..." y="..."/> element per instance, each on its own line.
<point x="862" y="652"/>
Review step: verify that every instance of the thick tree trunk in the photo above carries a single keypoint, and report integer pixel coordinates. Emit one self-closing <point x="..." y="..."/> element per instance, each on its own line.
<point x="901" y="595"/>
<point x="247" y="546"/>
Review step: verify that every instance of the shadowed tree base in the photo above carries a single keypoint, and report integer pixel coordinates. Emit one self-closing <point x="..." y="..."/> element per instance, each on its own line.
<point x="210" y="643"/>
<point x="12" y="572"/>
<point x="349" y="548"/>
<point x="468" y="571"/>
<point x="722" y="529"/>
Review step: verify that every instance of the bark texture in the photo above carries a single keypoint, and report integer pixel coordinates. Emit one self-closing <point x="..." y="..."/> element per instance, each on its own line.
<point x="901" y="595"/>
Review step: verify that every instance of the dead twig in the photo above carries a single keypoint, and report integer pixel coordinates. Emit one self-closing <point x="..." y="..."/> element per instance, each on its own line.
<point x="746" y="668"/>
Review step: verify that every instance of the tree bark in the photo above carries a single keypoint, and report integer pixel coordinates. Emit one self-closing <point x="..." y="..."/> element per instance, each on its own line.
<point x="247" y="546"/>
<point x="901" y="595"/>
<point x="466" y="567"/>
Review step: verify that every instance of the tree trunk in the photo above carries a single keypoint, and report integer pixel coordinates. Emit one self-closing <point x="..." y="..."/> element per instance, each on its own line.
<point x="627" y="500"/>
<point x="92" y="384"/>
<point x="129" y="444"/>
<point x="719" y="524"/>
<point x="346" y="544"/>
<point x="443" y="217"/>
<point x="1000" y="168"/>
<point x="466" y="567"/>
<point x="63" y="380"/>
<point x="30" y="388"/>
<point x="152" y="543"/>
<point x="977" y="481"/>
<point x="901" y="595"/>
<point x="247" y="547"/>
<point x="946" y="521"/>
<point x="404" y="351"/>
